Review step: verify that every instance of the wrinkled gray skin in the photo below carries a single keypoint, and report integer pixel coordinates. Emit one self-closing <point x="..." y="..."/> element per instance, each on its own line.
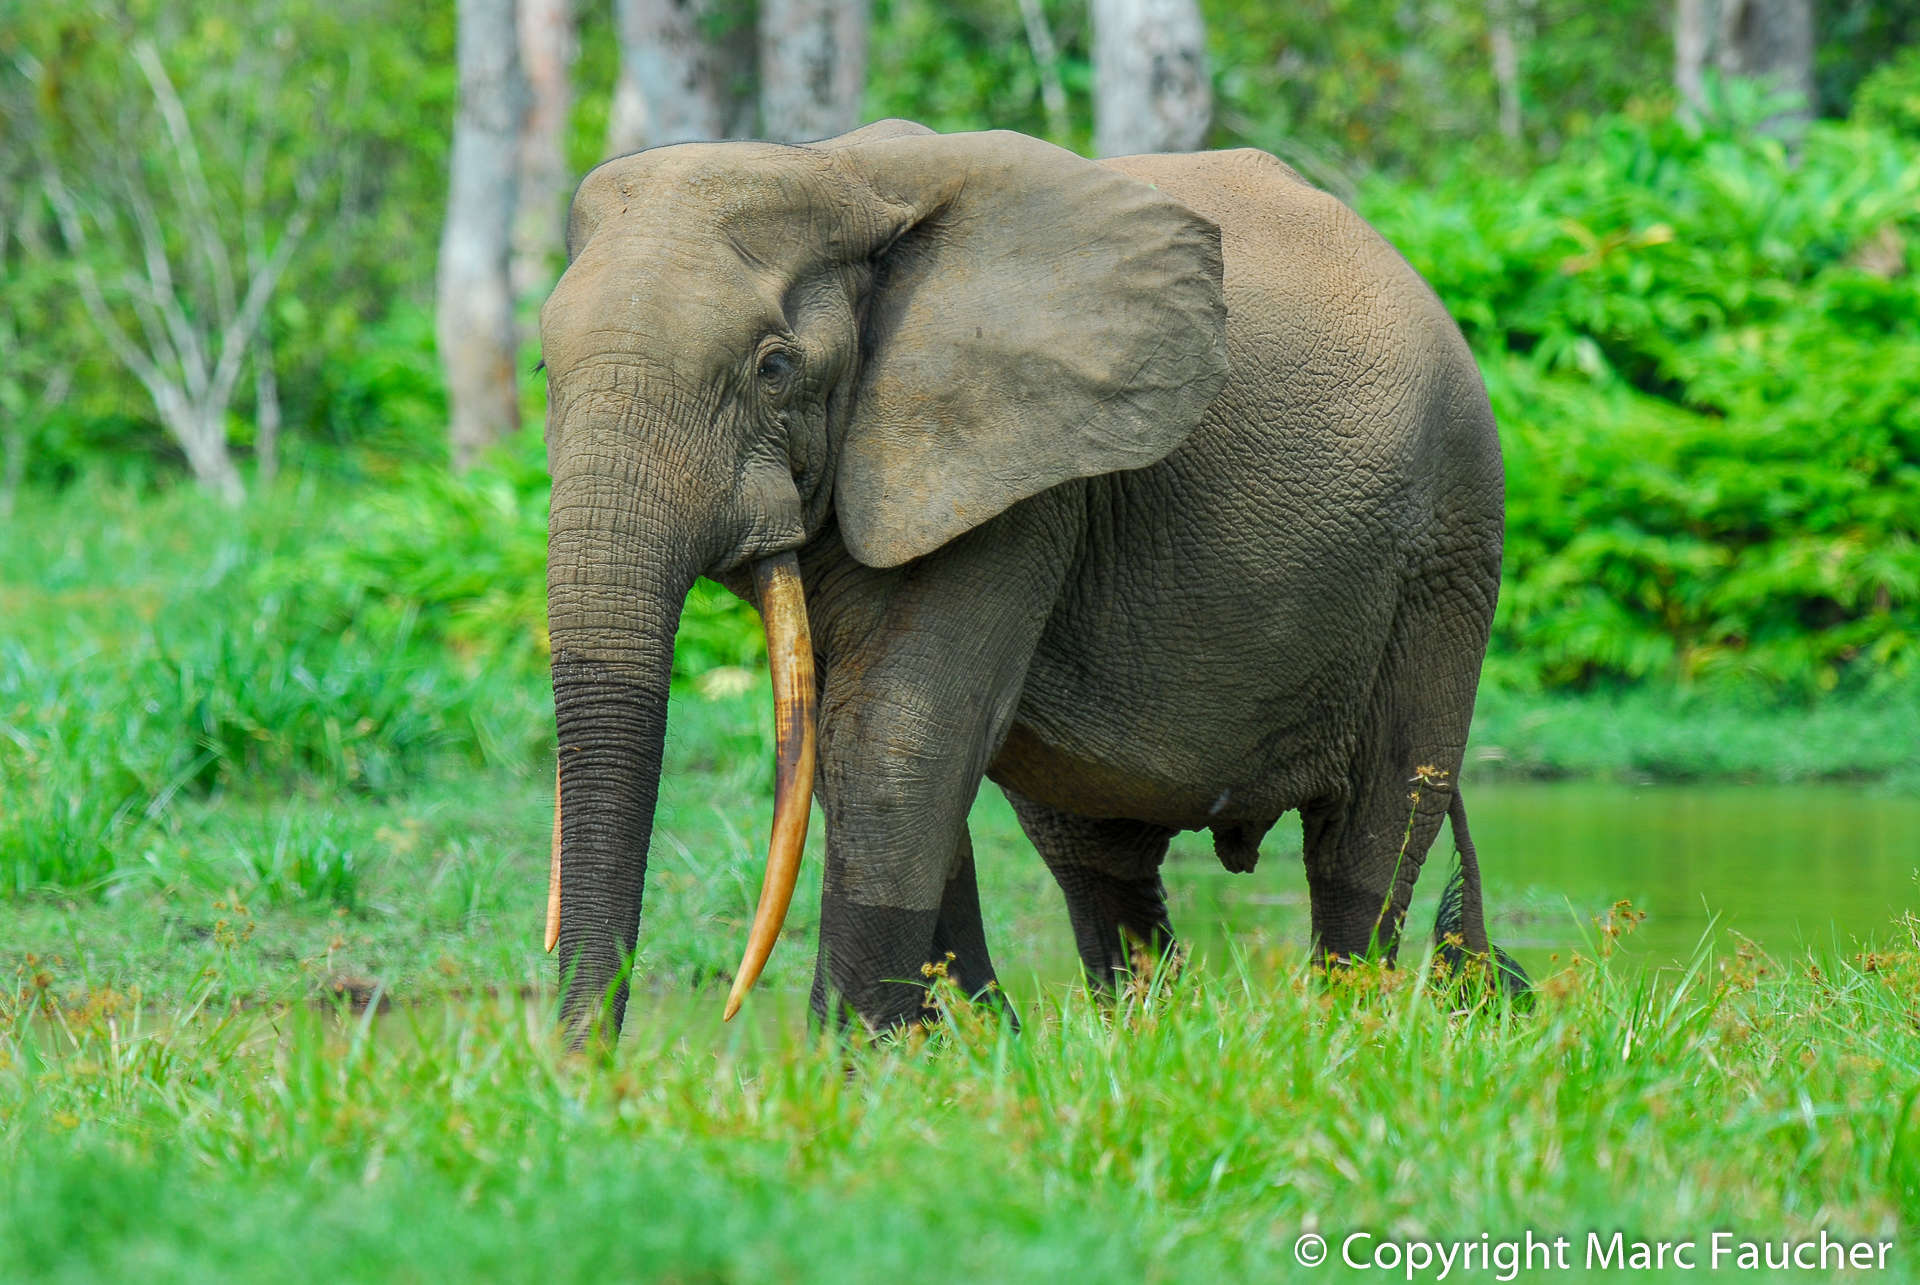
<point x="1160" y="491"/>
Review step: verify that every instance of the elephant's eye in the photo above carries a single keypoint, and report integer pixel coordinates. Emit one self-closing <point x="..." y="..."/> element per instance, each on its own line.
<point x="777" y="365"/>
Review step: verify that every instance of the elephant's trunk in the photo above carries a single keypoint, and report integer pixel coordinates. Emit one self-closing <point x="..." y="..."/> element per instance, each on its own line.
<point x="612" y="722"/>
<point x="612" y="613"/>
<point x="616" y="581"/>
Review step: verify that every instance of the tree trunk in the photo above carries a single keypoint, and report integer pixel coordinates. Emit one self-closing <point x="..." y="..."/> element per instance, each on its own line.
<point x="686" y="67"/>
<point x="1150" y="87"/>
<point x="1504" y="42"/>
<point x="627" y="126"/>
<point x="475" y="307"/>
<point x="1693" y="24"/>
<point x="548" y="46"/>
<point x="202" y="436"/>
<point x="266" y="412"/>
<point x="1766" y="40"/>
<point x="813" y="67"/>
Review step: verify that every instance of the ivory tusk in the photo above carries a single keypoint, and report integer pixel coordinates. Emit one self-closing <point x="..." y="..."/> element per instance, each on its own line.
<point x="783" y="610"/>
<point x="553" y="870"/>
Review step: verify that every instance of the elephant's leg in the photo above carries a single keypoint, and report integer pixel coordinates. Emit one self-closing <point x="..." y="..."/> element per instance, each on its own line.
<point x="959" y="932"/>
<point x="897" y="780"/>
<point x="1366" y="844"/>
<point x="1110" y="872"/>
<point x="923" y="674"/>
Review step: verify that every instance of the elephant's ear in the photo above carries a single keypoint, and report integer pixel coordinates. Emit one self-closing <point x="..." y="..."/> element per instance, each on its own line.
<point x="1034" y="317"/>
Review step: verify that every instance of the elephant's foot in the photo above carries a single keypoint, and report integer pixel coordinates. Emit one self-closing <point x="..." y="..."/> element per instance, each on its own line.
<point x="892" y="968"/>
<point x="1121" y="927"/>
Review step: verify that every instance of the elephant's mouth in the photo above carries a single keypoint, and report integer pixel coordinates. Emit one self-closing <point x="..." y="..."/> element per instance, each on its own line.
<point x="783" y="610"/>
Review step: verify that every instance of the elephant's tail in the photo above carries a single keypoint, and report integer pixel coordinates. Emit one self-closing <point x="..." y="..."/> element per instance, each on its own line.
<point x="1460" y="927"/>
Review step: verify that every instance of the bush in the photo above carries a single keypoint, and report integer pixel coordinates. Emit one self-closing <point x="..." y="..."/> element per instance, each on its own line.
<point x="146" y="666"/>
<point x="1889" y="98"/>
<point x="1705" y="358"/>
<point x="167" y="649"/>
<point x="462" y="563"/>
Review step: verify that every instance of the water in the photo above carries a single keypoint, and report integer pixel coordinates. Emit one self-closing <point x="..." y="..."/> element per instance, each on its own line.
<point x="1788" y="867"/>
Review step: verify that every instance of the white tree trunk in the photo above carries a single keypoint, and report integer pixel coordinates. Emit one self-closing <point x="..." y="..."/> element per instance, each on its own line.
<point x="684" y="65"/>
<point x="1693" y="26"/>
<point x="1150" y="86"/>
<point x="549" y="44"/>
<point x="627" y="126"/>
<point x="1770" y="40"/>
<point x="813" y="67"/>
<point x="1504" y="43"/>
<point x="1766" y="40"/>
<point x="266" y="411"/>
<point x="475" y="305"/>
<point x="201" y="433"/>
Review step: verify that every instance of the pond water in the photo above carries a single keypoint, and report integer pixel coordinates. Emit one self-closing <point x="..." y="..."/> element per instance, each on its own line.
<point x="1786" y="866"/>
<point x="1825" y="867"/>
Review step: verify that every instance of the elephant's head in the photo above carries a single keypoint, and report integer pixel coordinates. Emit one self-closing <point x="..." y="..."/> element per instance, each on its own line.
<point x="895" y="332"/>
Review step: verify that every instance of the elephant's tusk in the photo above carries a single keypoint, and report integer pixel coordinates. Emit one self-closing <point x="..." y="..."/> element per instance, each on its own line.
<point x="553" y="870"/>
<point x="783" y="608"/>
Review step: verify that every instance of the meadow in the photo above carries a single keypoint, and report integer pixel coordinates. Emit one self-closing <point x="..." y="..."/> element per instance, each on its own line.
<point x="274" y="866"/>
<point x="1196" y="1130"/>
<point x="277" y="788"/>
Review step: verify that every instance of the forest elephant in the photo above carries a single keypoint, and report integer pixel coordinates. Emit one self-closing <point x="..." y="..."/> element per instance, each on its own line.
<point x="1159" y="490"/>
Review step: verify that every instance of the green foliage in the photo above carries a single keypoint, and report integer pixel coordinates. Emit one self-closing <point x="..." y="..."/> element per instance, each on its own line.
<point x="96" y="751"/>
<point x="296" y="858"/>
<point x="382" y="403"/>
<point x="462" y="561"/>
<point x="969" y="65"/>
<point x="1705" y="356"/>
<point x="459" y="561"/>
<point x="326" y="642"/>
<point x="1852" y="40"/>
<point x="117" y="701"/>
<point x="1343" y="87"/>
<point x="1702" y="349"/>
<point x="334" y="108"/>
<point x="1890" y="97"/>
<point x="347" y="106"/>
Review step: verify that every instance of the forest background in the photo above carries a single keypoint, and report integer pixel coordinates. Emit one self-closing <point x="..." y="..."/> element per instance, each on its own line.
<point x="1696" y="309"/>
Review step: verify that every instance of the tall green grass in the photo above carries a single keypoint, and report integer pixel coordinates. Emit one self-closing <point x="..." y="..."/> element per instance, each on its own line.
<point x="100" y="747"/>
<point x="1192" y="1132"/>
<point x="158" y="654"/>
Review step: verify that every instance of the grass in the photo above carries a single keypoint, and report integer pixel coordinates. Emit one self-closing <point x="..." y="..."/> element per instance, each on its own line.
<point x="241" y="805"/>
<point x="1193" y="1133"/>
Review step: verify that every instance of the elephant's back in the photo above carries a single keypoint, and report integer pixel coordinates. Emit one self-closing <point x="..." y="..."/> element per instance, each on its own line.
<point x="1317" y="300"/>
<point x="1351" y="398"/>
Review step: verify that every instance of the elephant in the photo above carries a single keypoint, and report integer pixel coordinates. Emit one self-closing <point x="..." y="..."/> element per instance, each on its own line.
<point x="1159" y="490"/>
